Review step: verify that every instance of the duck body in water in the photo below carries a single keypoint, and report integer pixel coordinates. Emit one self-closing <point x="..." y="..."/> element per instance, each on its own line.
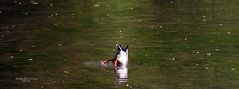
<point x="120" y="62"/>
<point x="121" y="58"/>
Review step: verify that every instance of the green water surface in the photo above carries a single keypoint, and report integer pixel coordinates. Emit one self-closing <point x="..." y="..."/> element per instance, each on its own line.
<point x="173" y="44"/>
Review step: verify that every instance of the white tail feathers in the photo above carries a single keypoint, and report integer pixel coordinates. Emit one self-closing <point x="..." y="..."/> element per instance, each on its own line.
<point x="117" y="45"/>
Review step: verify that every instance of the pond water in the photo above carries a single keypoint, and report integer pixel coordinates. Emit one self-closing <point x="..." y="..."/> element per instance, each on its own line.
<point x="173" y="44"/>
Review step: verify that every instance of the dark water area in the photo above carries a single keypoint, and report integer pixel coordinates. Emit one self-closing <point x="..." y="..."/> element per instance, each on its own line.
<point x="173" y="44"/>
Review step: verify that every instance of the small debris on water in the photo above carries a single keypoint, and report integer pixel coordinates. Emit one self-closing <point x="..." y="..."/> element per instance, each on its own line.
<point x="33" y="46"/>
<point x="171" y="2"/>
<point x="233" y="69"/>
<point x="56" y="24"/>
<point x="228" y="33"/>
<point x="13" y="26"/>
<point x="204" y="20"/>
<point x="206" y="68"/>
<point x="51" y="4"/>
<point x="25" y="79"/>
<point x="34" y="2"/>
<point x="160" y="26"/>
<point x="220" y="24"/>
<point x="173" y="59"/>
<point x="217" y="49"/>
<point x="193" y="51"/>
<point x="11" y="57"/>
<point x="209" y="54"/>
<point x="30" y="59"/>
<point x="152" y="27"/>
<point x="139" y="20"/>
<point x="20" y="50"/>
<point x="96" y="5"/>
<point x="59" y="44"/>
<point x="0" y="12"/>
<point x="66" y="72"/>
<point x="26" y="13"/>
<point x="185" y="39"/>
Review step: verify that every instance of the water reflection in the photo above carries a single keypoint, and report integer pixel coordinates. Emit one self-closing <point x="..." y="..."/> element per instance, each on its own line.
<point x="121" y="75"/>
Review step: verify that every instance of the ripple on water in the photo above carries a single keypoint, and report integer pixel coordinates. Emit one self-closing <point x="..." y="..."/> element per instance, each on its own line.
<point x="96" y="64"/>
